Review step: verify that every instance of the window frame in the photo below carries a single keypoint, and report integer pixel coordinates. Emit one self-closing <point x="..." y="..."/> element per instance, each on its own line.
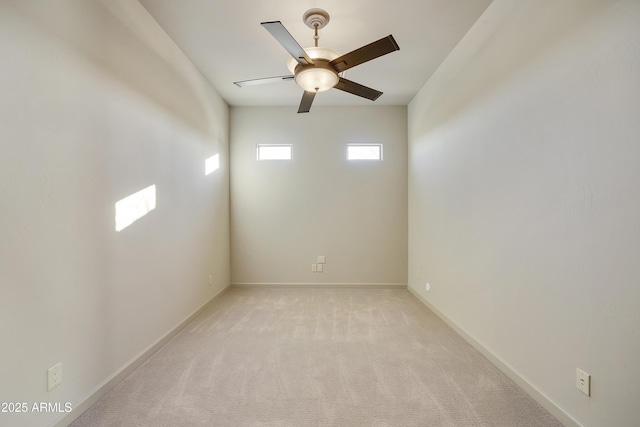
<point x="259" y="146"/>
<point x="366" y="144"/>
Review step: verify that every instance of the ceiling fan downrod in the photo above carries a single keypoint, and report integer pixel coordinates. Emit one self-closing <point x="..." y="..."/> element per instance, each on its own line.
<point x="316" y="19"/>
<point x="316" y="37"/>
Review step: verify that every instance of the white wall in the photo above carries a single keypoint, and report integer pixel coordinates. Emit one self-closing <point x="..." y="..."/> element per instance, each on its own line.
<point x="97" y="103"/>
<point x="524" y="197"/>
<point x="285" y="214"/>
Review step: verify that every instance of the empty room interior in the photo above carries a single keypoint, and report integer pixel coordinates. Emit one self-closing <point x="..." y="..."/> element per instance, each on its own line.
<point x="448" y="235"/>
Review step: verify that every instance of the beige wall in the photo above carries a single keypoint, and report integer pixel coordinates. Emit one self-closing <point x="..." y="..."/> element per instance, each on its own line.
<point x="97" y="103"/>
<point x="285" y="214"/>
<point x="524" y="198"/>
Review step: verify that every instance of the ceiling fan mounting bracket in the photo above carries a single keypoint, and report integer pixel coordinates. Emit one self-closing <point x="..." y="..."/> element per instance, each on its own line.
<point x="316" y="18"/>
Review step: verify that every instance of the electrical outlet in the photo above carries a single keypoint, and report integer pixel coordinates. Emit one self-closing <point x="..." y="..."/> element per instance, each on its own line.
<point x="314" y="268"/>
<point x="54" y="376"/>
<point x="427" y="287"/>
<point x="322" y="259"/>
<point x="583" y="381"/>
<point x="320" y="268"/>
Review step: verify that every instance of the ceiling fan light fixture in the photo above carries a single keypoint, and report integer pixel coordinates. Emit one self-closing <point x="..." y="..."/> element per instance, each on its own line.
<point x="318" y="77"/>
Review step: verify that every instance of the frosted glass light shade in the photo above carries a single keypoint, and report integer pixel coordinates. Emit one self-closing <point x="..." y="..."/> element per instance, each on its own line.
<point x="316" y="79"/>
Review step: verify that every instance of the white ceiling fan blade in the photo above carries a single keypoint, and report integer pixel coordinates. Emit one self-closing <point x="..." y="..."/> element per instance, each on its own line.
<point x="263" y="81"/>
<point x="280" y="33"/>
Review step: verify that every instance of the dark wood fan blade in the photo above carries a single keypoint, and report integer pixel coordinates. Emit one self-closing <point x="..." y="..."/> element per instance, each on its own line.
<point x="287" y="41"/>
<point x="365" y="53"/>
<point x="357" y="89"/>
<point x="307" y="100"/>
<point x="264" y="81"/>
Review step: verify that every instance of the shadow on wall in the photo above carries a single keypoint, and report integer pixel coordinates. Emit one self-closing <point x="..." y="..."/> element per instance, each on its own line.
<point x="499" y="58"/>
<point x="140" y="61"/>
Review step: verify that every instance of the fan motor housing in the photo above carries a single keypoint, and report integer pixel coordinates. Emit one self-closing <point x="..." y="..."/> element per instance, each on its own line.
<point x="319" y="53"/>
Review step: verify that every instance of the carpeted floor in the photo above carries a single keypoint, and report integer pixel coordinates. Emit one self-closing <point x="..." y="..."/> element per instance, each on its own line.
<point x="317" y="357"/>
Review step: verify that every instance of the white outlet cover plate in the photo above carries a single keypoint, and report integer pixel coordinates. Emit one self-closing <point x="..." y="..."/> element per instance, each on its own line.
<point x="54" y="376"/>
<point x="583" y="381"/>
<point x="322" y="259"/>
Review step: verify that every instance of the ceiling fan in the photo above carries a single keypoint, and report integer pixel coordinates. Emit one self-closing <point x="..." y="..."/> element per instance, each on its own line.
<point x="316" y="69"/>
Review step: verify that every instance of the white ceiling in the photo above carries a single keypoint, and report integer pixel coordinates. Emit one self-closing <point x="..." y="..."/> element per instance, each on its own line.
<point x="225" y="40"/>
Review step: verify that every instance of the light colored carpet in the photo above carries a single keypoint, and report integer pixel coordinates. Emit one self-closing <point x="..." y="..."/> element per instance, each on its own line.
<point x="317" y="357"/>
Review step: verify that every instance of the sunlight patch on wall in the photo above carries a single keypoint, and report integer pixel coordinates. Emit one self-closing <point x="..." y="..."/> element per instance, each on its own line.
<point x="211" y="164"/>
<point x="134" y="207"/>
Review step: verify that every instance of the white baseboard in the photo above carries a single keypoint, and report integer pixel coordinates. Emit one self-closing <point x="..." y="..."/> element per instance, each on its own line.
<point x="113" y="380"/>
<point x="544" y="400"/>
<point x="321" y="285"/>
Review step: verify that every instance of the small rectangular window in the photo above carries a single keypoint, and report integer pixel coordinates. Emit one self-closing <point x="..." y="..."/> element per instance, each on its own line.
<point x="274" y="151"/>
<point x="364" y="151"/>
